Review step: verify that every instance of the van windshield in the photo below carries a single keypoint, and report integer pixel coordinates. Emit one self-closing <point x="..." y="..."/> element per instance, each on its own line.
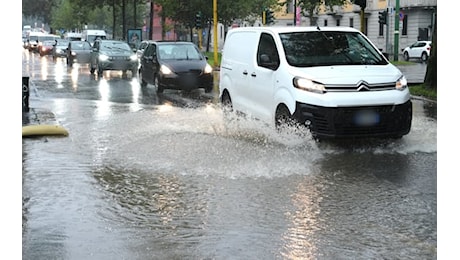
<point x="326" y="48"/>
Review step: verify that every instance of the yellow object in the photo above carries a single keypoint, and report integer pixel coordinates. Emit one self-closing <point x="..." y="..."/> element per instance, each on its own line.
<point x="37" y="130"/>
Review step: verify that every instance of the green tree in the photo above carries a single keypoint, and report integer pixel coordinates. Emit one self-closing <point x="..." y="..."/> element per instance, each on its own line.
<point x="310" y="8"/>
<point x="38" y="8"/>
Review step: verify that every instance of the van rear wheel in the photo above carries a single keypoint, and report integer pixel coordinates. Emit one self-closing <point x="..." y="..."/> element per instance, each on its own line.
<point x="227" y="106"/>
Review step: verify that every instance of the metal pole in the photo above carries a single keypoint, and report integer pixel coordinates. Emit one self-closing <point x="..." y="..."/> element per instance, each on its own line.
<point x="151" y="21"/>
<point x="396" y="40"/>
<point x="387" y="40"/>
<point x="295" y="12"/>
<point x="214" y="14"/>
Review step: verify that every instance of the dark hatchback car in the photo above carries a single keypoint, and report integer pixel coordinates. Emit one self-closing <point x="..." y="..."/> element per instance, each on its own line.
<point x="78" y="52"/>
<point x="175" y="65"/>
<point x="113" y="55"/>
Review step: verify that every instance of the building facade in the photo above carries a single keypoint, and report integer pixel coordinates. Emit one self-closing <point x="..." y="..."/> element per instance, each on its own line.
<point x="416" y="20"/>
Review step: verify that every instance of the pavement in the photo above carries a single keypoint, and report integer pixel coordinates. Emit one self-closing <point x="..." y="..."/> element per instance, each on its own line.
<point x="415" y="74"/>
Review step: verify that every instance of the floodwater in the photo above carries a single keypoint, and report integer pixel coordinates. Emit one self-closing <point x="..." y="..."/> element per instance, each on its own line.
<point x="158" y="180"/>
<point x="165" y="182"/>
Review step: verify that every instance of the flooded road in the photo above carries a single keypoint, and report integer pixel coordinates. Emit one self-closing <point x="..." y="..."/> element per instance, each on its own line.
<point x="163" y="177"/>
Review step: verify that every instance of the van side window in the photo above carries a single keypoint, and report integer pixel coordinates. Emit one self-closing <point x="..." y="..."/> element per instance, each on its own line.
<point x="267" y="54"/>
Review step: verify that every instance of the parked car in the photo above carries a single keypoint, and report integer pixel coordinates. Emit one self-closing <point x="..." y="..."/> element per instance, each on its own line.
<point x="46" y="48"/>
<point x="113" y="55"/>
<point x="60" y="48"/>
<point x="417" y="50"/>
<point x="175" y="65"/>
<point x="332" y="81"/>
<point x="78" y="52"/>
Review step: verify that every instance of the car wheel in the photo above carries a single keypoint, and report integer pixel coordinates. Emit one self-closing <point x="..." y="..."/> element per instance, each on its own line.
<point x="284" y="121"/>
<point x="160" y="88"/>
<point x="141" y="79"/>
<point x="99" y="71"/>
<point x="406" y="56"/>
<point x="208" y="89"/>
<point x="227" y="106"/>
<point x="424" y="56"/>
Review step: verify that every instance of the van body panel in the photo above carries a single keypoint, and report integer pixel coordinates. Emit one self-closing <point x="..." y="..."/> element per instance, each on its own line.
<point x="354" y="91"/>
<point x="240" y="66"/>
<point x="92" y="35"/>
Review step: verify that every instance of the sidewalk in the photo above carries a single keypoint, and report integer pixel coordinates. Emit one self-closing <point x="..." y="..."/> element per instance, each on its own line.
<point x="38" y="117"/>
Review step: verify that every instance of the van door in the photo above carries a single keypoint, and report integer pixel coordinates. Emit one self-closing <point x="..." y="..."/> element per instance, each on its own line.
<point x="263" y="77"/>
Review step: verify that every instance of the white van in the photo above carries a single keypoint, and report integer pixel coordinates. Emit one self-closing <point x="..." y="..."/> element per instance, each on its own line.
<point x="331" y="79"/>
<point x="91" y="35"/>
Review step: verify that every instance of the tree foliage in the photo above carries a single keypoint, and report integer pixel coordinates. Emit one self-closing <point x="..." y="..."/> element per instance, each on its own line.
<point x="310" y="8"/>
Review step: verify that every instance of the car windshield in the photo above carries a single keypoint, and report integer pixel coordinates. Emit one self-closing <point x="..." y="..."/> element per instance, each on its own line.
<point x="178" y="52"/>
<point x="79" y="45"/>
<point x="115" y="45"/>
<point x="62" y="43"/>
<point x="48" y="43"/>
<point x="326" y="48"/>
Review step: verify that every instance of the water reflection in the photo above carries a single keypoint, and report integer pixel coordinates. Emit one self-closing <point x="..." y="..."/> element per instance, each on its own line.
<point x="300" y="238"/>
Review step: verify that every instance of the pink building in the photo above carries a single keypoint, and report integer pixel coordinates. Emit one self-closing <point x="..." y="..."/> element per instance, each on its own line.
<point x="169" y="35"/>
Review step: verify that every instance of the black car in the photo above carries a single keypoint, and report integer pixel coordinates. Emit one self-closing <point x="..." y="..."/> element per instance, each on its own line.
<point x="78" y="52"/>
<point x="113" y="55"/>
<point x="175" y="65"/>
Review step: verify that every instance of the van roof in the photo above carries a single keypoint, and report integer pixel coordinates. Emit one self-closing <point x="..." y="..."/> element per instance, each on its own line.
<point x="284" y="29"/>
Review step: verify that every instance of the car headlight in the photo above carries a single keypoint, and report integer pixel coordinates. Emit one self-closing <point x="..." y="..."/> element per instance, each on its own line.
<point x="165" y="70"/>
<point x="133" y="57"/>
<point x="207" y="69"/>
<point x="308" y="85"/>
<point x="103" y="57"/>
<point x="401" y="84"/>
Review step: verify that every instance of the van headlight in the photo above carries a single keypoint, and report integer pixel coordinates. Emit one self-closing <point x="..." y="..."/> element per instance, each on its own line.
<point x="207" y="69"/>
<point x="103" y="57"/>
<point x="401" y="83"/>
<point x="308" y="85"/>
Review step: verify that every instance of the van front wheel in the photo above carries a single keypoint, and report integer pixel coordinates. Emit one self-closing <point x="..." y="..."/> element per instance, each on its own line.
<point x="284" y="121"/>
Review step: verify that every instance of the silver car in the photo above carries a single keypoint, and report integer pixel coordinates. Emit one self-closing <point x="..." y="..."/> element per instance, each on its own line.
<point x="113" y="55"/>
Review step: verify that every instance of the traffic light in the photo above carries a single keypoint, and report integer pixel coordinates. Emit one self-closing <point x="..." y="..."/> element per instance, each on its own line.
<point x="269" y="17"/>
<point x="383" y="17"/>
<point x="198" y="20"/>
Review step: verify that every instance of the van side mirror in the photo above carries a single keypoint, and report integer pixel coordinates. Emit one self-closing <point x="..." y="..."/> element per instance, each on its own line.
<point x="266" y="62"/>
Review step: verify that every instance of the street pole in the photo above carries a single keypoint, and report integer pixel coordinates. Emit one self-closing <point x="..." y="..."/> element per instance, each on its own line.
<point x="295" y="12"/>
<point x="387" y="40"/>
<point x="214" y="14"/>
<point x="396" y="39"/>
<point x="151" y="21"/>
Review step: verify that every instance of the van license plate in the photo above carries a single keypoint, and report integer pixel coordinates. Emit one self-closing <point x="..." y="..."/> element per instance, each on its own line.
<point x="366" y="118"/>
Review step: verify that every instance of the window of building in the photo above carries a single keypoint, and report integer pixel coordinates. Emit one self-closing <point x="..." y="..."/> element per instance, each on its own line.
<point x="404" y="25"/>
<point x="351" y="23"/>
<point x="337" y="22"/>
<point x="325" y="23"/>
